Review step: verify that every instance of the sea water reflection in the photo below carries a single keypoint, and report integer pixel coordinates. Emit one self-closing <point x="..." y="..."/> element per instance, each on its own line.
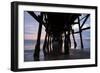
<point x="29" y="46"/>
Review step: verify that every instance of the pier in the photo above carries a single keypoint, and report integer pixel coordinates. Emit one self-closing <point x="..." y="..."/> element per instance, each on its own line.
<point x="58" y="28"/>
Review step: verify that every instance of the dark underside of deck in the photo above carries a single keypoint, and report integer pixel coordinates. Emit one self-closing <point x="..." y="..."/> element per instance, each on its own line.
<point x="74" y="54"/>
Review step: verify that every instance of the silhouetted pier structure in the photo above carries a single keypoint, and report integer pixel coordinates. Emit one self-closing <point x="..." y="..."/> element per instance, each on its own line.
<point x="58" y="28"/>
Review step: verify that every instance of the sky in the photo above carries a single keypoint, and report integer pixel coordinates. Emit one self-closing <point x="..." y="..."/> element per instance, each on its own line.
<point x="31" y="27"/>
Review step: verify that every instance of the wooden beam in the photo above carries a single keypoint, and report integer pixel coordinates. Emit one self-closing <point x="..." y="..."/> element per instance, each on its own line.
<point x="36" y="18"/>
<point x="82" y="30"/>
<point x="85" y="20"/>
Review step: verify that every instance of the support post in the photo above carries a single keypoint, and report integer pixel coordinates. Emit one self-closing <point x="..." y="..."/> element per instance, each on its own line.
<point x="66" y="43"/>
<point x="80" y="32"/>
<point x="37" y="47"/>
<point x="44" y="45"/>
<point x="50" y="44"/>
<point x="75" y="44"/>
<point x="47" y="47"/>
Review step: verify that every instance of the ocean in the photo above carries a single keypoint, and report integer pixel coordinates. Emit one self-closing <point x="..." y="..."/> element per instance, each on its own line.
<point x="30" y="44"/>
